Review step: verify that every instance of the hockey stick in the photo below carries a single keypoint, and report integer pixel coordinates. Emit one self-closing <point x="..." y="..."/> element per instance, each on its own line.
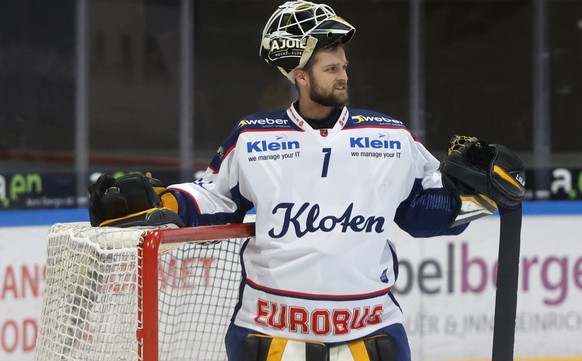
<point x="507" y="283"/>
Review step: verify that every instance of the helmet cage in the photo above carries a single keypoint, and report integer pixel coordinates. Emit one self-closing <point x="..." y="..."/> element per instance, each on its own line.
<point x="296" y="29"/>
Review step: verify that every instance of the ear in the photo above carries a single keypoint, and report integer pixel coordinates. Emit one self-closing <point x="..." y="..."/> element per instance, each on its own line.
<point x="300" y="77"/>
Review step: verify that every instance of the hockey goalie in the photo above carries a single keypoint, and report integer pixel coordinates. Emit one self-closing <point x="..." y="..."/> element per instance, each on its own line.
<point x="329" y="183"/>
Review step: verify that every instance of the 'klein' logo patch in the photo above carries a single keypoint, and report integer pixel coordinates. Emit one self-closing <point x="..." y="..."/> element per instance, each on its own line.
<point x="371" y="143"/>
<point x="264" y="146"/>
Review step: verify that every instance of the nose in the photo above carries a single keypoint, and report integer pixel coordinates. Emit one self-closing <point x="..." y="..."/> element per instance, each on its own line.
<point x="343" y="75"/>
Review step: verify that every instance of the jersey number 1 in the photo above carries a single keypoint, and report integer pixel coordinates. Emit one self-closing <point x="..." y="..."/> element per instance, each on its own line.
<point x="326" y="156"/>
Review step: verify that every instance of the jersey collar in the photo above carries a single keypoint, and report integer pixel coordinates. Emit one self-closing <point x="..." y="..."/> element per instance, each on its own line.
<point x="294" y="115"/>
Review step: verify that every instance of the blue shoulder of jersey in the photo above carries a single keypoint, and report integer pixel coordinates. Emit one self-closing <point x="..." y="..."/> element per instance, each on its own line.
<point x="277" y="120"/>
<point x="262" y="121"/>
<point x="367" y="118"/>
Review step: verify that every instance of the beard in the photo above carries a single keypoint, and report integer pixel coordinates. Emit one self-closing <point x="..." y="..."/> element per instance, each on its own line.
<point x="329" y="98"/>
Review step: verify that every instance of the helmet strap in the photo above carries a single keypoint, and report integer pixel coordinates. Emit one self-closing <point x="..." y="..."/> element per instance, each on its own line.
<point x="305" y="56"/>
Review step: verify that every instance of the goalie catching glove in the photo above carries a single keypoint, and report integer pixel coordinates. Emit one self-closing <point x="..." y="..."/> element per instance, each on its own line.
<point x="129" y="201"/>
<point x="484" y="177"/>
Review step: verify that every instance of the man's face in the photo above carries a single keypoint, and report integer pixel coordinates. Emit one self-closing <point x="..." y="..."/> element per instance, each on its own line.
<point x="327" y="77"/>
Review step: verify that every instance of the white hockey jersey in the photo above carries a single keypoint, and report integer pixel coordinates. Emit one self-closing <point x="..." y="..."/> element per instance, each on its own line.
<point x="321" y="265"/>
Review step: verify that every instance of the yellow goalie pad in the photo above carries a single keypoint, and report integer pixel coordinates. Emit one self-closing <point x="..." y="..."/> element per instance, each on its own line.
<point x="268" y="348"/>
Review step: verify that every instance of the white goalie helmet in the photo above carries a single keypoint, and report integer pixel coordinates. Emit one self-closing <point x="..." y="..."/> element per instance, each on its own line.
<point x="296" y="29"/>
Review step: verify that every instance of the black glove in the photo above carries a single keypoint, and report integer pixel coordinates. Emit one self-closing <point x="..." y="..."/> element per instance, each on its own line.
<point x="488" y="175"/>
<point x="127" y="201"/>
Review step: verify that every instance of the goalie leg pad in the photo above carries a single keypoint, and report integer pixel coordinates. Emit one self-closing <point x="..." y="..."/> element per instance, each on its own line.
<point x="268" y="348"/>
<point x="376" y="348"/>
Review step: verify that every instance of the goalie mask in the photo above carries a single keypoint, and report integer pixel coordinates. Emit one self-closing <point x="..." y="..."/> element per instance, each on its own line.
<point x="298" y="28"/>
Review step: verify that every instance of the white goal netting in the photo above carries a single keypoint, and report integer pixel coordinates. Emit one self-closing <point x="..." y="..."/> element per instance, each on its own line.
<point x="91" y="309"/>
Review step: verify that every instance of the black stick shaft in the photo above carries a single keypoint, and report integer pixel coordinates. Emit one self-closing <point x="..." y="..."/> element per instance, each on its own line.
<point x="507" y="284"/>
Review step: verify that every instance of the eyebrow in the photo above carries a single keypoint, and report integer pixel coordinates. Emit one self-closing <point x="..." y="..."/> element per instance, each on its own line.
<point x="339" y="63"/>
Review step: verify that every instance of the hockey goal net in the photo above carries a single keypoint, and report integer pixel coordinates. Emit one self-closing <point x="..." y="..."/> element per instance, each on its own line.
<point x="139" y="294"/>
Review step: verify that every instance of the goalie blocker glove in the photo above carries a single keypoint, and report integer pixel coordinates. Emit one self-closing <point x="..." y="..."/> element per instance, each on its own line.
<point x="484" y="177"/>
<point x="128" y="201"/>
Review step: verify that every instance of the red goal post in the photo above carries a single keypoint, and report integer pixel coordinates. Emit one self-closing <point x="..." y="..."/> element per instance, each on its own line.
<point x="148" y="260"/>
<point x="139" y="294"/>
